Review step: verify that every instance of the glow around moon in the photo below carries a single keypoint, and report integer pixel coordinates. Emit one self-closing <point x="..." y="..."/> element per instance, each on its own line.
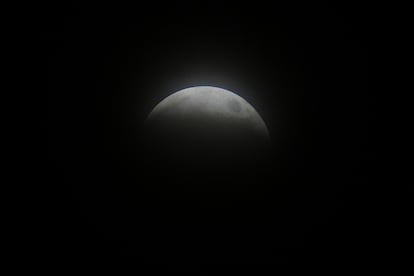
<point x="210" y="105"/>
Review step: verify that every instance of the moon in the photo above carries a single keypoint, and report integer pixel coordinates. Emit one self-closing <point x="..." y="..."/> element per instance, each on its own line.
<point x="211" y="103"/>
<point x="207" y="120"/>
<point x="207" y="135"/>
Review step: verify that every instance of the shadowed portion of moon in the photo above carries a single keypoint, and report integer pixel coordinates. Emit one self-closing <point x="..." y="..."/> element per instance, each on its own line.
<point x="206" y="131"/>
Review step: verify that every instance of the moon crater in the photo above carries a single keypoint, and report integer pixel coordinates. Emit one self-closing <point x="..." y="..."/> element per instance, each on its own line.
<point x="234" y="105"/>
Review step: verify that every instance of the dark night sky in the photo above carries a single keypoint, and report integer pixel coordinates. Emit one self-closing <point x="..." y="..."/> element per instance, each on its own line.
<point x="305" y="68"/>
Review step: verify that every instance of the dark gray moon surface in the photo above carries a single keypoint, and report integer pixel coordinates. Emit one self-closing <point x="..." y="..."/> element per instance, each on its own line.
<point x="207" y="117"/>
<point x="205" y="131"/>
<point x="215" y="108"/>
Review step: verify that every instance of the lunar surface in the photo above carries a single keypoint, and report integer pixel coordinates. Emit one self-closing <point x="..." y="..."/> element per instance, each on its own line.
<point x="206" y="121"/>
<point x="210" y="103"/>
<point x="205" y="135"/>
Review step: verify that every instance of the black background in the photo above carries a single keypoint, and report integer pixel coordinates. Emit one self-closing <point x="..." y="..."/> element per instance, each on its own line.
<point x="306" y="68"/>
